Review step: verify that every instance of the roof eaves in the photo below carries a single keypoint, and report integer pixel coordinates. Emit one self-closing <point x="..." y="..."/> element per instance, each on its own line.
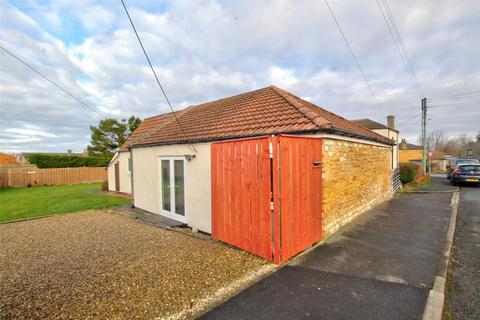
<point x="115" y="156"/>
<point x="214" y="139"/>
<point x="231" y="137"/>
<point x="393" y="130"/>
<point x="383" y="140"/>
<point x="379" y="136"/>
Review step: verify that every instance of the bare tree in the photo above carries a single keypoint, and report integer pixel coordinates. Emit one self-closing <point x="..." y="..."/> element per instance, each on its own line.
<point x="436" y="140"/>
<point x="452" y="148"/>
<point x="458" y="145"/>
<point x="463" y="139"/>
<point x="478" y="136"/>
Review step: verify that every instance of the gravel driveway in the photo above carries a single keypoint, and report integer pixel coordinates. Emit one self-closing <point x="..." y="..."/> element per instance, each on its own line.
<point x="99" y="264"/>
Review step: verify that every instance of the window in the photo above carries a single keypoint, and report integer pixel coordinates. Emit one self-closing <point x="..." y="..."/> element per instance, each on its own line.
<point x="129" y="165"/>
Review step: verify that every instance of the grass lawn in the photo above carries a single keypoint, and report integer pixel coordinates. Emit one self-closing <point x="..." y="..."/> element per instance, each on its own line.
<point x="41" y="201"/>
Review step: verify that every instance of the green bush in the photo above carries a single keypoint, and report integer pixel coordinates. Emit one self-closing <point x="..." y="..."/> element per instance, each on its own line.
<point x="407" y="173"/>
<point x="104" y="186"/>
<point x="59" y="161"/>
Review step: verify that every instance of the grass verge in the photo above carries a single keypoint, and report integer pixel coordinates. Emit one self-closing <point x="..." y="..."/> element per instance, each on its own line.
<point x="413" y="186"/>
<point x="24" y="203"/>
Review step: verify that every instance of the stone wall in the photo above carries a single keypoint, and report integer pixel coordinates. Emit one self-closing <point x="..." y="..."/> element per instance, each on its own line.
<point x="356" y="177"/>
<point x="409" y="155"/>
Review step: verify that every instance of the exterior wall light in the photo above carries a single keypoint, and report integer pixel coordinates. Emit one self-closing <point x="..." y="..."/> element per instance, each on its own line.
<point x="190" y="156"/>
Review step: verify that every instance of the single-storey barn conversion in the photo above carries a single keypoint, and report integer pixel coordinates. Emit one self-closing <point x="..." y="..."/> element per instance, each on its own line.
<point x="265" y="170"/>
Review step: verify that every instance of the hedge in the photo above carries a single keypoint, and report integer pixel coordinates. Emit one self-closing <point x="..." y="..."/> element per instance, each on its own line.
<point x="407" y="174"/>
<point x="59" y="161"/>
<point x="417" y="167"/>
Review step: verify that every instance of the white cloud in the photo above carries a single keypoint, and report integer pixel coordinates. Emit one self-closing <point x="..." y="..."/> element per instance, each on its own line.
<point x="284" y="78"/>
<point x="205" y="50"/>
<point x="29" y="132"/>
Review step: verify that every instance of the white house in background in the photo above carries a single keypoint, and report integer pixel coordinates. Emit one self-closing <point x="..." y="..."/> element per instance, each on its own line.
<point x="120" y="167"/>
<point x="388" y="131"/>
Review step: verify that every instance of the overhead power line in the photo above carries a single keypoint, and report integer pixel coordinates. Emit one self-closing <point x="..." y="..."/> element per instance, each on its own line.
<point x="409" y="119"/>
<point x="413" y="123"/>
<point x="458" y="96"/>
<point x="354" y="57"/>
<point x="402" y="46"/>
<point x="155" y="75"/>
<point x="454" y="103"/>
<point x="52" y="82"/>
<point x="402" y="53"/>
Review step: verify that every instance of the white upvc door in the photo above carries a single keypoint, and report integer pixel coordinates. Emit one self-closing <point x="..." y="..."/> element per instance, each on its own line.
<point x="172" y="188"/>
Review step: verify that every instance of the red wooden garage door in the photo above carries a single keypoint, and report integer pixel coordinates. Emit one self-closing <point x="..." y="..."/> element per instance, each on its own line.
<point x="241" y="185"/>
<point x="300" y="194"/>
<point x="266" y="194"/>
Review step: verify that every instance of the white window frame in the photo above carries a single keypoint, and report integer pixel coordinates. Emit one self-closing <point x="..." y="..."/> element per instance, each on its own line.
<point x="171" y="214"/>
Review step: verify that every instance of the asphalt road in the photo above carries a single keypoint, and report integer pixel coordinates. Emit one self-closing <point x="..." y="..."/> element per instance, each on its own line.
<point x="380" y="267"/>
<point x="463" y="293"/>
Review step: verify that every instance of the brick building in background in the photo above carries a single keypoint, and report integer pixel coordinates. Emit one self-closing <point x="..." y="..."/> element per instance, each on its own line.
<point x="7" y="159"/>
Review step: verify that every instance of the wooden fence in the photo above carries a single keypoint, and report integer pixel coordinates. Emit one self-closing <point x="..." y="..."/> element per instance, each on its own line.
<point x="18" y="176"/>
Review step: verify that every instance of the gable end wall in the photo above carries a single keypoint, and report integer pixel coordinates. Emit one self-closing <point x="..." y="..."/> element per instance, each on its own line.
<point x="125" y="178"/>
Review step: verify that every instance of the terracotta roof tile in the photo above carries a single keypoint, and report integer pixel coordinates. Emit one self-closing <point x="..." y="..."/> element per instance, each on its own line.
<point x="265" y="111"/>
<point x="147" y="125"/>
<point x="336" y="122"/>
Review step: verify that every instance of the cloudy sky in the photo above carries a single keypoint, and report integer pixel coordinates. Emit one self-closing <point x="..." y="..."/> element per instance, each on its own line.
<point x="205" y="50"/>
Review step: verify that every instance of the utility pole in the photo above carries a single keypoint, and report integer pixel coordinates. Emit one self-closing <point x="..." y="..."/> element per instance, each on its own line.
<point x="424" y="135"/>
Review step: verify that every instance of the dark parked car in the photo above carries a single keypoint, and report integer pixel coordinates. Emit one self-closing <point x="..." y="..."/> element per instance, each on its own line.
<point x="465" y="173"/>
<point x="457" y="162"/>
